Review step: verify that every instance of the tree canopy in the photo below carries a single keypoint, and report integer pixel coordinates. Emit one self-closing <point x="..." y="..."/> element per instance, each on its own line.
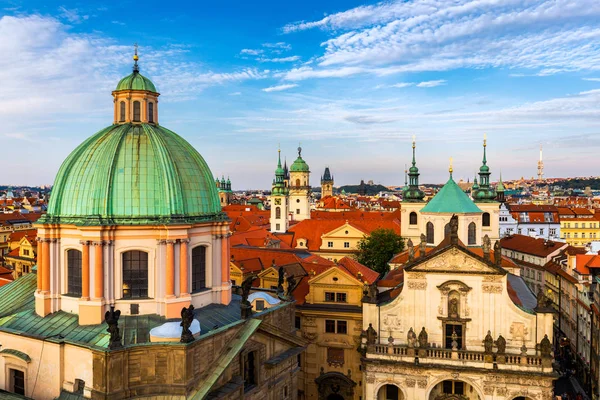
<point x="378" y="248"/>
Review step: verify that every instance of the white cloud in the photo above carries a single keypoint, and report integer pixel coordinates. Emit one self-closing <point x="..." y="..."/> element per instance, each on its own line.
<point x="592" y="79"/>
<point x="280" y="60"/>
<point x="279" y="88"/>
<point x="73" y="15"/>
<point x="402" y="85"/>
<point x="235" y="94"/>
<point x="278" y="45"/>
<point x="546" y="36"/>
<point x="429" y="84"/>
<point x="252" y="52"/>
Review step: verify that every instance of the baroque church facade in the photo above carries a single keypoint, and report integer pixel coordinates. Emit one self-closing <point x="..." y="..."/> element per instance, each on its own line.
<point x="457" y="325"/>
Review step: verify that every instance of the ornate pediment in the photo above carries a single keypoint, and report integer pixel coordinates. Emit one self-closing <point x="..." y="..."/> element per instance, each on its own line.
<point x="454" y="260"/>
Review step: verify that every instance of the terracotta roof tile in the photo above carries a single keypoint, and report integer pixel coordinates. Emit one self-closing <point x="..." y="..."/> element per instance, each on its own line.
<point x="530" y="245"/>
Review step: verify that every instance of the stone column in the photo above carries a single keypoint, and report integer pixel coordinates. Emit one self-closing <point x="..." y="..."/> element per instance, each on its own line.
<point x="85" y="270"/>
<point x="98" y="270"/>
<point x="46" y="266"/>
<point x="40" y="264"/>
<point x="183" y="268"/>
<point x="170" y="270"/>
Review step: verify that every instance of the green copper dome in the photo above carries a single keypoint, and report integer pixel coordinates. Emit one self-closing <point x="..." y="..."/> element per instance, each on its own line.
<point x="136" y="81"/>
<point x="134" y="174"/>
<point x="451" y="199"/>
<point x="299" y="165"/>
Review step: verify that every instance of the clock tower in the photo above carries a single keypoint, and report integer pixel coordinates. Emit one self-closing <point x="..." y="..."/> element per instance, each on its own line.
<point x="279" y="200"/>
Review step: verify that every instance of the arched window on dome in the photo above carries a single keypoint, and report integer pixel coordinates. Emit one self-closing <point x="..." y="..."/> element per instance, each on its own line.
<point x="122" y="111"/>
<point x="277" y="212"/>
<point x="135" y="274"/>
<point x="429" y="232"/>
<point x="150" y="112"/>
<point x="472" y="233"/>
<point x="198" y="268"/>
<point x="298" y="182"/>
<point x="486" y="219"/>
<point x="74" y="272"/>
<point x="412" y="218"/>
<point x="136" y="111"/>
<point x="447" y="230"/>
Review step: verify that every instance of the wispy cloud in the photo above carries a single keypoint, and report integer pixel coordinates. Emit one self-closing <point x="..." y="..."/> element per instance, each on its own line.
<point x="279" y="88"/>
<point x="546" y="36"/>
<point x="74" y="16"/>
<point x="429" y="84"/>
<point x="592" y="79"/>
<point x="280" y="60"/>
<point x="278" y="45"/>
<point x="252" y="52"/>
<point x="401" y="85"/>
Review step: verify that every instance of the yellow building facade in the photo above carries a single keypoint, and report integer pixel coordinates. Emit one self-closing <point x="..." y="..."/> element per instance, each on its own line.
<point x="578" y="226"/>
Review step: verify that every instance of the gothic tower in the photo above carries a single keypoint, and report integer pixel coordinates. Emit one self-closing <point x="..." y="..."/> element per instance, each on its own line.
<point x="326" y="183"/>
<point x="279" y="200"/>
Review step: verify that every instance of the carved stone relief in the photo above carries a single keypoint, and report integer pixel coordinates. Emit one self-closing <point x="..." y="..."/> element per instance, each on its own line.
<point x="491" y="288"/>
<point x="417" y="285"/>
<point x="519" y="331"/>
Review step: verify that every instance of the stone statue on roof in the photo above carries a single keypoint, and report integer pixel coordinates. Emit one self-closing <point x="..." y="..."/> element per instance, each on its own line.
<point x="546" y="347"/>
<point x="487" y="247"/>
<point x="187" y="316"/>
<point x="422" y="245"/>
<point x="423" y="339"/>
<point x="497" y="253"/>
<point x="411" y="338"/>
<point x="488" y="343"/>
<point x="291" y="282"/>
<point x="246" y="307"/>
<point x="454" y="229"/>
<point x="411" y="250"/>
<point x="112" y="319"/>
<point x="371" y="335"/>
<point x="542" y="300"/>
<point x="501" y="344"/>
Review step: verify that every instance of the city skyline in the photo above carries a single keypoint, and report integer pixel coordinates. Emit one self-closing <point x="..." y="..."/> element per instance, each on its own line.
<point x="352" y="86"/>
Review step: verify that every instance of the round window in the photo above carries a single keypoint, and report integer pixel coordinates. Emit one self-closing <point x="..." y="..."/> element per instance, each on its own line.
<point x="335" y="279"/>
<point x="297" y="200"/>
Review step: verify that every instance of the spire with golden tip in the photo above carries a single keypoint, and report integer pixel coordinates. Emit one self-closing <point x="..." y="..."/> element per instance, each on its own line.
<point x="136" y="68"/>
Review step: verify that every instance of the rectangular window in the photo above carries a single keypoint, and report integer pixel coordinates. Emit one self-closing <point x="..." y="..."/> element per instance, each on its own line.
<point x="329" y="244"/>
<point x="450" y="329"/>
<point x="340" y="297"/>
<point x="250" y="370"/>
<point x="25" y="252"/>
<point x="278" y="227"/>
<point x="342" y="327"/>
<point x="297" y="211"/>
<point x="576" y="225"/>
<point x="260" y="305"/>
<point x="233" y="283"/>
<point x="329" y="326"/>
<point x="198" y="268"/>
<point x="541" y="231"/>
<point x="553" y="231"/>
<point x="135" y="274"/>
<point x="298" y="322"/>
<point x="18" y="381"/>
<point x="346" y="245"/>
<point x="329" y="296"/>
<point x="335" y="356"/>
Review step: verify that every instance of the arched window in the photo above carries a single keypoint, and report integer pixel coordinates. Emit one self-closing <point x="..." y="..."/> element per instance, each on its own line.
<point x="412" y="218"/>
<point x="446" y="230"/>
<point x="277" y="212"/>
<point x="472" y="233"/>
<point x="122" y="111"/>
<point x="135" y="274"/>
<point x="429" y="232"/>
<point x="74" y="272"/>
<point x="486" y="219"/>
<point x="297" y="182"/>
<point x="136" y="111"/>
<point x="198" y="268"/>
<point x="150" y="112"/>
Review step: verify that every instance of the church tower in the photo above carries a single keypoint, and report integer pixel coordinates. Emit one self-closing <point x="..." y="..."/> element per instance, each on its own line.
<point x="299" y="189"/>
<point x="279" y="200"/>
<point x="225" y="192"/>
<point x="485" y="198"/>
<point x="326" y="183"/>
<point x="412" y="202"/>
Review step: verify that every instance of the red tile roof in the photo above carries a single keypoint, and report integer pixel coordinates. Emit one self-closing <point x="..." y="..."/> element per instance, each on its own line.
<point x="583" y="263"/>
<point x="16" y="236"/>
<point x="530" y="245"/>
<point x="354" y="268"/>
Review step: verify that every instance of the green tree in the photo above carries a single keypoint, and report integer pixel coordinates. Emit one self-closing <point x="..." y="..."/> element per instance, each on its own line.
<point x="378" y="248"/>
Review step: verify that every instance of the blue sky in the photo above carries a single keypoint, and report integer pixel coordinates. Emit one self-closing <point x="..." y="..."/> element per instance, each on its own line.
<point x="351" y="80"/>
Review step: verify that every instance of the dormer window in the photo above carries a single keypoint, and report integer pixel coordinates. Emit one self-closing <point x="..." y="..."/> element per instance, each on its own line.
<point x="136" y="111"/>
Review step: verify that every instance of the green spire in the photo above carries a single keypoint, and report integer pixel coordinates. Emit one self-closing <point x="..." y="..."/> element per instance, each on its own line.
<point x="475" y="184"/>
<point x="278" y="183"/>
<point x="484" y="193"/>
<point x="412" y="192"/>
<point x="500" y="185"/>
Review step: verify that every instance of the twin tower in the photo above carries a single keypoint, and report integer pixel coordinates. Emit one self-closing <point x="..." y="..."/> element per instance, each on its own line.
<point x="290" y="193"/>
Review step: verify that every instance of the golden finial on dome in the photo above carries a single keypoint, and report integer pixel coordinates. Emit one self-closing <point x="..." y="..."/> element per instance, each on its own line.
<point x="135" y="58"/>
<point x="450" y="169"/>
<point x="484" y="139"/>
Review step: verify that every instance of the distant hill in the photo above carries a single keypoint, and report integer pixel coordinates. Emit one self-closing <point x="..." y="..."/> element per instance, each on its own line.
<point x="593" y="183"/>
<point x="370" y="189"/>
